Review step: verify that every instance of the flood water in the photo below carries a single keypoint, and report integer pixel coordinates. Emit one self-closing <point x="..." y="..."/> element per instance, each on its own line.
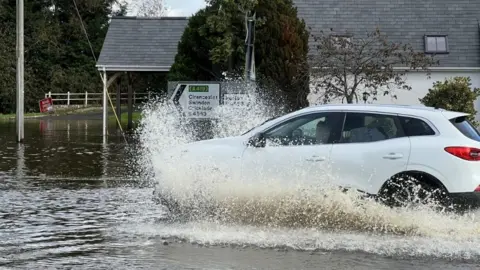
<point x="67" y="200"/>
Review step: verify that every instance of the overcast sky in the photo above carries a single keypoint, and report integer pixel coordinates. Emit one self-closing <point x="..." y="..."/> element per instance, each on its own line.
<point x="184" y="7"/>
<point x="176" y="7"/>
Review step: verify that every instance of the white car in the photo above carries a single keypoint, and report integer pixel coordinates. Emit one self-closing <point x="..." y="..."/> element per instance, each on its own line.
<point x="383" y="150"/>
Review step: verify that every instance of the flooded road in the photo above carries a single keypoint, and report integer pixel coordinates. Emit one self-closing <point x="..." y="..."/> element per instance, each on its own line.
<point x="68" y="201"/>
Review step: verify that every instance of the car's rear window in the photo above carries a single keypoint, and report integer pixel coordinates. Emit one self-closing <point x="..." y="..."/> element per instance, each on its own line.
<point x="467" y="129"/>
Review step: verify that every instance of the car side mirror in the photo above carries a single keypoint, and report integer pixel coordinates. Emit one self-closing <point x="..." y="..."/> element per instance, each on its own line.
<point x="258" y="141"/>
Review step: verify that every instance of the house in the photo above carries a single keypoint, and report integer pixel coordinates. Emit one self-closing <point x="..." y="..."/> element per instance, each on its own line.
<point x="448" y="28"/>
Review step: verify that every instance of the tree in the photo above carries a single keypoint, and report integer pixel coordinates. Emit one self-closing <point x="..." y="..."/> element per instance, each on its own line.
<point x="349" y="67"/>
<point x="58" y="57"/>
<point x="213" y="44"/>
<point x="281" y="49"/>
<point x="455" y="94"/>
<point x="150" y="8"/>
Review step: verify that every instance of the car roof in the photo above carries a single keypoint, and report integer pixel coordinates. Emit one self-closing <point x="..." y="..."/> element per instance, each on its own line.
<point x="387" y="108"/>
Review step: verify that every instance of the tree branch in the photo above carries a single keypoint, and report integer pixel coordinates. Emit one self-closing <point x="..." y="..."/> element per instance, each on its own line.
<point x="370" y="61"/>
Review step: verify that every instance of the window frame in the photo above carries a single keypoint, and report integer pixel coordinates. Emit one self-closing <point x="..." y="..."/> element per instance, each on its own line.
<point x="336" y="130"/>
<point x="428" y="122"/>
<point x="395" y="117"/>
<point x="427" y="51"/>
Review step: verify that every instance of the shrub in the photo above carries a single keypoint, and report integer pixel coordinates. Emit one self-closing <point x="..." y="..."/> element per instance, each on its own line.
<point x="455" y="95"/>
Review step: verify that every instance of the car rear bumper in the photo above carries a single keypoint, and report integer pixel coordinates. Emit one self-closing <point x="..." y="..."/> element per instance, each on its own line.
<point x="466" y="199"/>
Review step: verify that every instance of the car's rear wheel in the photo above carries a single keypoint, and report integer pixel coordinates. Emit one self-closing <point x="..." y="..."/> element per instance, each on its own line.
<point x="413" y="190"/>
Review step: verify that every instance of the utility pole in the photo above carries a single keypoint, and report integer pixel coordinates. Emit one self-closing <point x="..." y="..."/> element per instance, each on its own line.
<point x="20" y="72"/>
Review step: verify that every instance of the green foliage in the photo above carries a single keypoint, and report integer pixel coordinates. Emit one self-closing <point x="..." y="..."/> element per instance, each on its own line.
<point x="214" y="44"/>
<point x="192" y="61"/>
<point x="349" y="67"/>
<point x="57" y="55"/>
<point x="454" y="94"/>
<point x="281" y="49"/>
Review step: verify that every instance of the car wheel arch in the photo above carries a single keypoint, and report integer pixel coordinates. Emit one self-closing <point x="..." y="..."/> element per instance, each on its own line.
<point x="421" y="176"/>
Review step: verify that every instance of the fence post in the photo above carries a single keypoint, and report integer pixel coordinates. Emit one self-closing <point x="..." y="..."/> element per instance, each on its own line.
<point x="68" y="98"/>
<point x="148" y="95"/>
<point x="46" y="95"/>
<point x="86" y="98"/>
<point x="49" y="94"/>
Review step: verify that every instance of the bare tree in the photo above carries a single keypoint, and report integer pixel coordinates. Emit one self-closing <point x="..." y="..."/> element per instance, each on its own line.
<point x="150" y="8"/>
<point x="347" y="67"/>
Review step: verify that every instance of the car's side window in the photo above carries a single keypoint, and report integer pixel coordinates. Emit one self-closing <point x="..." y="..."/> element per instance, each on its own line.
<point x="368" y="127"/>
<point x="311" y="129"/>
<point x="415" y="127"/>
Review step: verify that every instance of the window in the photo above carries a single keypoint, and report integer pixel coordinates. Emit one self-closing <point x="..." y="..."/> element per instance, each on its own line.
<point x="467" y="129"/>
<point x="316" y="128"/>
<point x="436" y="44"/>
<point x="364" y="127"/>
<point x="415" y="127"/>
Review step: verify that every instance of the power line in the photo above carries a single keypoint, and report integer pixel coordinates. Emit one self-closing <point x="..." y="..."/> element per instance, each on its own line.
<point x="84" y="30"/>
<point x="104" y="79"/>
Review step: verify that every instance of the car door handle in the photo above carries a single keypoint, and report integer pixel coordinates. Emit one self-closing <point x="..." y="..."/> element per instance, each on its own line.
<point x="315" y="159"/>
<point x="393" y="156"/>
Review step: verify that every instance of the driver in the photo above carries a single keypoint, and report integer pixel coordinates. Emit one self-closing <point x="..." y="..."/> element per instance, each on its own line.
<point x="322" y="133"/>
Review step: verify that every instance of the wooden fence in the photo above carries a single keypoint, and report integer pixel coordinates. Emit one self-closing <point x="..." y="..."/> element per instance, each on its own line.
<point x="93" y="98"/>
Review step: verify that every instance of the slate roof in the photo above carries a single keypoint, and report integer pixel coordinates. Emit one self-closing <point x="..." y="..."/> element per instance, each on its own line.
<point x="141" y="44"/>
<point x="404" y="21"/>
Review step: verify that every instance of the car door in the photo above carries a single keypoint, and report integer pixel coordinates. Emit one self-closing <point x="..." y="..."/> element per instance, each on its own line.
<point x="295" y="151"/>
<point x="372" y="148"/>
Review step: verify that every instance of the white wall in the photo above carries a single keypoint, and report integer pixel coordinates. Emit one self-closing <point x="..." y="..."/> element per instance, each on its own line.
<point x="420" y="85"/>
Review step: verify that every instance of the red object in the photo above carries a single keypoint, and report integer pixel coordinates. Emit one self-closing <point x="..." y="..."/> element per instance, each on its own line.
<point x="466" y="153"/>
<point x="477" y="189"/>
<point x="45" y="104"/>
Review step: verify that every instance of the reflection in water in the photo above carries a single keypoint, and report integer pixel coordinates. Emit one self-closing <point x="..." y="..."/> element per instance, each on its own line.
<point x="86" y="130"/>
<point x="105" y="160"/>
<point x="64" y="148"/>
<point x="20" y="170"/>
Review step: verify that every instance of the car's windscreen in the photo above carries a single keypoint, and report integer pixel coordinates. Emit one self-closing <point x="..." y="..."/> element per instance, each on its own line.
<point x="269" y="119"/>
<point x="467" y="129"/>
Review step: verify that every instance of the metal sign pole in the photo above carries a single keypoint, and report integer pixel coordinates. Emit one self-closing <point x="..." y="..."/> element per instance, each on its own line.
<point x="249" y="46"/>
<point x="250" y="53"/>
<point x="105" y="106"/>
<point x="20" y="72"/>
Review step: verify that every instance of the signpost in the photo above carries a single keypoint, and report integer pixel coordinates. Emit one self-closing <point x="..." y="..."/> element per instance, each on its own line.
<point x="46" y="105"/>
<point x="197" y="100"/>
<point x="235" y="100"/>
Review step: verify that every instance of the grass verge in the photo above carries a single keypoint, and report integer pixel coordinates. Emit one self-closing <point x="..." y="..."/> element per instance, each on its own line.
<point x="27" y="115"/>
<point x="62" y="111"/>
<point x="58" y="111"/>
<point x="136" y="116"/>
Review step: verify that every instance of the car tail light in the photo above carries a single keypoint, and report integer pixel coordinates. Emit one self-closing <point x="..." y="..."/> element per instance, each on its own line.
<point x="477" y="189"/>
<point x="466" y="153"/>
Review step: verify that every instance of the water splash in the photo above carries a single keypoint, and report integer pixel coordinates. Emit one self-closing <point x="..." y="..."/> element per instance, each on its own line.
<point x="280" y="207"/>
